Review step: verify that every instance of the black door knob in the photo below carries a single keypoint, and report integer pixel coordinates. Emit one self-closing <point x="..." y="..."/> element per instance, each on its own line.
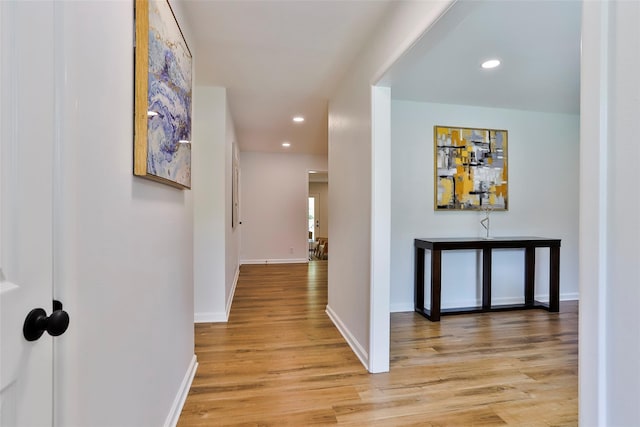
<point x="37" y="322"/>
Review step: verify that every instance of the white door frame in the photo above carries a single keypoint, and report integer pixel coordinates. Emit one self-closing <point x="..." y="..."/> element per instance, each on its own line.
<point x="27" y="126"/>
<point x="379" y="314"/>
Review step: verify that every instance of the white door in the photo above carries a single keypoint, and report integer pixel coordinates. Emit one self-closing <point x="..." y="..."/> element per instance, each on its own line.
<point x="314" y="215"/>
<point x="26" y="158"/>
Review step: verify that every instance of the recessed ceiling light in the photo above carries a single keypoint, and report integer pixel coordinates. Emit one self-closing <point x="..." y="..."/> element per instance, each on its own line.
<point x="491" y="63"/>
<point x="298" y="119"/>
<point x="286" y="144"/>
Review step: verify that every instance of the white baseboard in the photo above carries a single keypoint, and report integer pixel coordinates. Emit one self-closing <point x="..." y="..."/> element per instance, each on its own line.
<point x="232" y="293"/>
<point x="210" y="317"/>
<point x="217" y="317"/>
<point x="570" y="296"/>
<point x="181" y="396"/>
<point x="275" y="261"/>
<point x="404" y="307"/>
<point x="401" y="307"/>
<point x="360" y="352"/>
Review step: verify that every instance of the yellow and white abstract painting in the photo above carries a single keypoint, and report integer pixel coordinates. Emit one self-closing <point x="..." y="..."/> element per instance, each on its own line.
<point x="470" y="168"/>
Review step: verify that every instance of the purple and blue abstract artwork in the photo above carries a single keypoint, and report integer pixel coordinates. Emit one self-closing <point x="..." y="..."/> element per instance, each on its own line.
<point x="169" y="98"/>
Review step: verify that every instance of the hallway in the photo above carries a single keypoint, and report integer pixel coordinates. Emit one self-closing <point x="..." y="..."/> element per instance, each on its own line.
<point x="280" y="361"/>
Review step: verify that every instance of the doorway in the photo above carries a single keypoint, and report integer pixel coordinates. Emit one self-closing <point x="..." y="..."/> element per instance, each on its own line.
<point x="410" y="171"/>
<point x="314" y="215"/>
<point x="318" y="215"/>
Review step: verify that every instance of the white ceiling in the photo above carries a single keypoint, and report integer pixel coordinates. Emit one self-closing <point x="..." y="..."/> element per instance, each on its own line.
<point x="279" y="58"/>
<point x="538" y="43"/>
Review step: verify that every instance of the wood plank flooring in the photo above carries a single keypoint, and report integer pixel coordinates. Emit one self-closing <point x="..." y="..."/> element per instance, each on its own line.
<point x="279" y="361"/>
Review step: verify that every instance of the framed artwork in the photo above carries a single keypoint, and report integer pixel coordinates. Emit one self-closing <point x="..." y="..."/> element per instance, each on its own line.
<point x="470" y="168"/>
<point x="162" y="116"/>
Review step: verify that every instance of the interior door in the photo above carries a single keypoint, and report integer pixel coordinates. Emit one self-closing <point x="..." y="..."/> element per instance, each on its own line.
<point x="26" y="159"/>
<point x="314" y="215"/>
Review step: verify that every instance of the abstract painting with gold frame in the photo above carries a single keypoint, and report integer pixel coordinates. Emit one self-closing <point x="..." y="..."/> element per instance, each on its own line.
<point x="470" y="168"/>
<point x="162" y="124"/>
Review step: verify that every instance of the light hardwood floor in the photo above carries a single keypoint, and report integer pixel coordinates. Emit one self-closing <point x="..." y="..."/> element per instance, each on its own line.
<point x="280" y="361"/>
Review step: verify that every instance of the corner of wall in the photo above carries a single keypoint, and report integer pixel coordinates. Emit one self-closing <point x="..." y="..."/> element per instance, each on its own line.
<point x="232" y="292"/>
<point x="210" y="198"/>
<point x="181" y="396"/>
<point x="355" y="345"/>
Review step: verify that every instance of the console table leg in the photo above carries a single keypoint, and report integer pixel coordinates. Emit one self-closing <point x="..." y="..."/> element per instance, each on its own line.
<point x="436" y="284"/>
<point x="419" y="281"/>
<point x="486" y="279"/>
<point x="554" y="279"/>
<point x="529" y="275"/>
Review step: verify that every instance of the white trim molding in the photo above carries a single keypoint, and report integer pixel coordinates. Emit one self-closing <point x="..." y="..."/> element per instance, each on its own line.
<point x="349" y="338"/>
<point x="181" y="396"/>
<point x="232" y="293"/>
<point x="403" y="307"/>
<point x="275" y="261"/>
<point x="379" y="322"/>
<point x="210" y="317"/>
<point x="217" y="317"/>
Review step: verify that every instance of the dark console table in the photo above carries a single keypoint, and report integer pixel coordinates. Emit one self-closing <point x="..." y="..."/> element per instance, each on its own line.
<point x="529" y="244"/>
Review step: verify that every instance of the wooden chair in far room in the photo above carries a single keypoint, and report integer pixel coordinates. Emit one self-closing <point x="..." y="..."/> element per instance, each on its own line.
<point x="322" y="248"/>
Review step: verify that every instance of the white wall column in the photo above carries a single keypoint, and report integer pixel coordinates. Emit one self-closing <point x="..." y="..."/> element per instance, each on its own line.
<point x="609" y="206"/>
<point x="215" y="242"/>
<point x="379" y="328"/>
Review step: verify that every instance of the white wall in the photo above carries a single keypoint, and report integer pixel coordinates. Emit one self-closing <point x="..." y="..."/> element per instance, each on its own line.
<point x="543" y="153"/>
<point x="123" y="245"/>
<point x="215" y="241"/>
<point x="273" y="206"/>
<point x="350" y="172"/>
<point x="232" y="235"/>
<point x="322" y="190"/>
<point x="609" y="224"/>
